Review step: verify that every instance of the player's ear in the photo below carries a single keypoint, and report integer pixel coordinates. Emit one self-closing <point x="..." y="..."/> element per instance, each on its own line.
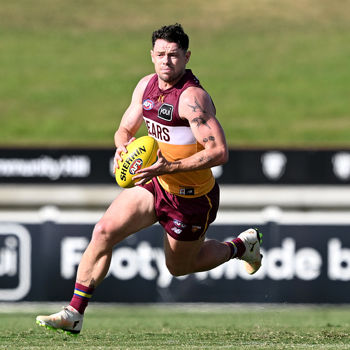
<point x="152" y="56"/>
<point x="187" y="56"/>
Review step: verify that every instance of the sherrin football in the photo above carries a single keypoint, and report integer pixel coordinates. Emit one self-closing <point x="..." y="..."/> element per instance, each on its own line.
<point x="142" y="153"/>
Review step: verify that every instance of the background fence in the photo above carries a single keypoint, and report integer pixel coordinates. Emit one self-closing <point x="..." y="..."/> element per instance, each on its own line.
<point x="50" y="200"/>
<point x="303" y="263"/>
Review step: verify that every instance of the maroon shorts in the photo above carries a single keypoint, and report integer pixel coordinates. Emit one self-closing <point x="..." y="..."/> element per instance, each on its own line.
<point x="184" y="219"/>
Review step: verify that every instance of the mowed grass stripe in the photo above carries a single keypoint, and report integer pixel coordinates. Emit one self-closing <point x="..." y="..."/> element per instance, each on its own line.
<point x="142" y="327"/>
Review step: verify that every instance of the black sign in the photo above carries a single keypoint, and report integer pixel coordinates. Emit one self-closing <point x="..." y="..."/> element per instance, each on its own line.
<point x="95" y="166"/>
<point x="80" y="166"/>
<point x="301" y="264"/>
<point x="293" y="167"/>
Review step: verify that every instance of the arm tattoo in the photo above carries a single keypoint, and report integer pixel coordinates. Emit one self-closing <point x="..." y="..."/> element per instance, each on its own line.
<point x="210" y="138"/>
<point x="200" y="120"/>
<point x="205" y="159"/>
<point x="197" y="107"/>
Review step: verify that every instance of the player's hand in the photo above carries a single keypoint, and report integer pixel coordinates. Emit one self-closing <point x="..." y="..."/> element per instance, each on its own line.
<point x="117" y="156"/>
<point x="160" y="167"/>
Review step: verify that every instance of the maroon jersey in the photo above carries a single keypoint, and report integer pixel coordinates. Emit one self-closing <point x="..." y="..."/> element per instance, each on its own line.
<point x="174" y="135"/>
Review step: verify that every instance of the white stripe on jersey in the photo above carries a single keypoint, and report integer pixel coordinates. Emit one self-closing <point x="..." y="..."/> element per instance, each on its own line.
<point x="174" y="135"/>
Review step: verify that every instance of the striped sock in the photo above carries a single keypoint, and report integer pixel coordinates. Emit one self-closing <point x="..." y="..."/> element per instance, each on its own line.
<point x="237" y="248"/>
<point x="81" y="297"/>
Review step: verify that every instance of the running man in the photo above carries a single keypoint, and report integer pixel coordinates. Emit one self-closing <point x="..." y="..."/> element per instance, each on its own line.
<point x="178" y="191"/>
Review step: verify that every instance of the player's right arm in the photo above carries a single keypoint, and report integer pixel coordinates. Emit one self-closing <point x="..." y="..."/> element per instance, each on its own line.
<point x="131" y="120"/>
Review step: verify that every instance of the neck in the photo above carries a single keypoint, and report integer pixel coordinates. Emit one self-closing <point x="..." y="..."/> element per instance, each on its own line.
<point x="164" y="85"/>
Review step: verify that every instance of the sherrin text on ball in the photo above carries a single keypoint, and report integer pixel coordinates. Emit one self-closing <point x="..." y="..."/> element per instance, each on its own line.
<point x="142" y="153"/>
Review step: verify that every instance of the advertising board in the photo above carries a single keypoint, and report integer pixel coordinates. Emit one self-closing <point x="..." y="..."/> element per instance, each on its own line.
<point x="302" y="264"/>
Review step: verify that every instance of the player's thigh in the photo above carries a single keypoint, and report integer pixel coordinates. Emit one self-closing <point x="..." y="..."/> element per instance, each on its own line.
<point x="131" y="211"/>
<point x="180" y="256"/>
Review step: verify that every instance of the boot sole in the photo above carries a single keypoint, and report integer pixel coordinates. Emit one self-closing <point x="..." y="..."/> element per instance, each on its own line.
<point x="66" y="331"/>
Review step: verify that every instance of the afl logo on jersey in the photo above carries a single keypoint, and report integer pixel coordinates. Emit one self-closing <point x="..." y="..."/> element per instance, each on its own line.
<point x="147" y="105"/>
<point x="165" y="112"/>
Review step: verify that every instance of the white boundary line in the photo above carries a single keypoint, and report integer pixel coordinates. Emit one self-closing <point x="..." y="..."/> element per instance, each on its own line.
<point x="227" y="217"/>
<point x="256" y="196"/>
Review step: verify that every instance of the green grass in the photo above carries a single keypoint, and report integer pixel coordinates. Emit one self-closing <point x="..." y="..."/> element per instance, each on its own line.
<point x="187" y="327"/>
<point x="277" y="70"/>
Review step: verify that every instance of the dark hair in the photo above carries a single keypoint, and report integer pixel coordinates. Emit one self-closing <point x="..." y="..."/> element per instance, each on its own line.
<point x="173" y="34"/>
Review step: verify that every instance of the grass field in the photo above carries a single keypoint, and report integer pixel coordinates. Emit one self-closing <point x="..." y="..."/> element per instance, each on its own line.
<point x="186" y="327"/>
<point x="277" y="70"/>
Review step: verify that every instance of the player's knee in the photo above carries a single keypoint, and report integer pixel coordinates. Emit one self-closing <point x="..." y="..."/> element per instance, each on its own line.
<point x="103" y="232"/>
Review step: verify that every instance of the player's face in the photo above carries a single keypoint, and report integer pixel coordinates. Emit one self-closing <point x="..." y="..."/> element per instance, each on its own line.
<point x="169" y="61"/>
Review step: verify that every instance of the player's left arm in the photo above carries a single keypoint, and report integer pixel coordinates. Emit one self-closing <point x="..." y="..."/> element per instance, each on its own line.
<point x="196" y="106"/>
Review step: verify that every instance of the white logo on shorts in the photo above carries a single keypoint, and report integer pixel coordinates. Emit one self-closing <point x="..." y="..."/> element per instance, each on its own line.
<point x="178" y="223"/>
<point x="176" y="230"/>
